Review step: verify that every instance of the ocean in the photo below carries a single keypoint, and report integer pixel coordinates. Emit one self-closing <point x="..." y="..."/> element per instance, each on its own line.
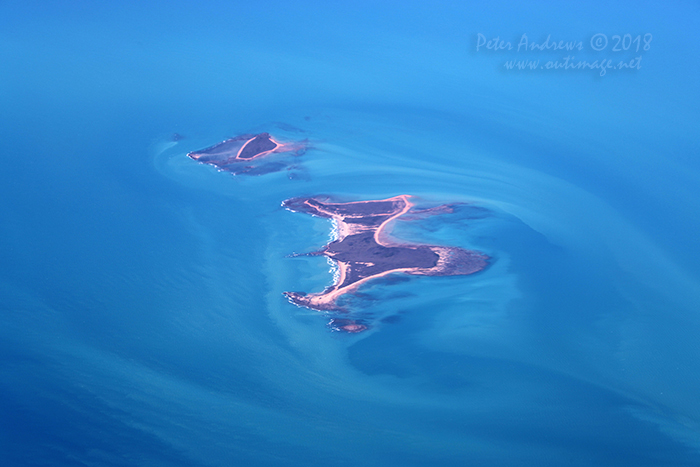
<point x="142" y="314"/>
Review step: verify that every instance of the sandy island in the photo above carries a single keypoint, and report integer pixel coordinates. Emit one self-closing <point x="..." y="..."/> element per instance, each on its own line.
<point x="364" y="252"/>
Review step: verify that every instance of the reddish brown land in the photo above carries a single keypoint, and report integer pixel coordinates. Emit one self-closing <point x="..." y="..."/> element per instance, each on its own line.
<point x="363" y="251"/>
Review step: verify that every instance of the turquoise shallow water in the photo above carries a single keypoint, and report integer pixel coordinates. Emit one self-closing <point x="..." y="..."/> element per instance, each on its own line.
<point x="142" y="317"/>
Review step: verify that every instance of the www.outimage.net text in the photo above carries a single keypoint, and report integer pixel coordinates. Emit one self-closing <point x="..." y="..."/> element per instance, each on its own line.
<point x="618" y="45"/>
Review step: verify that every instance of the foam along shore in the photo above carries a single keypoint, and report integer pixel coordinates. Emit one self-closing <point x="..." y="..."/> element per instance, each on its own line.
<point x="363" y="251"/>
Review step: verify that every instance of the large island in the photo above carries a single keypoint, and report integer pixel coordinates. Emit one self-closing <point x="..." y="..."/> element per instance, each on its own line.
<point x="363" y="251"/>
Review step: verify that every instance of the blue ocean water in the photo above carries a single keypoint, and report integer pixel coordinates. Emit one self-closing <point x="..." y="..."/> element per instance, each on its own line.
<point x="142" y="320"/>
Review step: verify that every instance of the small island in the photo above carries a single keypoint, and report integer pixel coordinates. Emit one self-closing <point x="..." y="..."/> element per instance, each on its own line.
<point x="229" y="155"/>
<point x="363" y="251"/>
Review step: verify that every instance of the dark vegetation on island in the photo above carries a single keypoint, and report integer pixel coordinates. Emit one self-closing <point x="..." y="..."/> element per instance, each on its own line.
<point x="242" y="154"/>
<point x="364" y="252"/>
